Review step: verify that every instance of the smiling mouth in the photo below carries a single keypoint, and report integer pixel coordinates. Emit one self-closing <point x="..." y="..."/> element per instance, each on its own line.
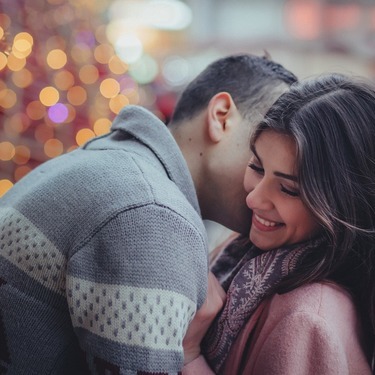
<point x="266" y="223"/>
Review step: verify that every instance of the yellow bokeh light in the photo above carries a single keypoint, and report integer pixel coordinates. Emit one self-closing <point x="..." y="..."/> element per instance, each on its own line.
<point x="118" y="102"/>
<point x="56" y="59"/>
<point x="5" y="185"/>
<point x="103" y="53"/>
<point x="83" y="136"/>
<point x="35" y="110"/>
<point x="89" y="74"/>
<point x="64" y="80"/>
<point x="24" y="36"/>
<point x="1" y="32"/>
<point x="22" y="78"/>
<point x="49" y="96"/>
<point x="7" y="151"/>
<point x="102" y="126"/>
<point x="21" y="48"/>
<point x="117" y="66"/>
<point x="77" y="95"/>
<point x="15" y="63"/>
<point x="22" y="155"/>
<point x="21" y="172"/>
<point x="53" y="147"/>
<point x="8" y="98"/>
<point x="3" y="60"/>
<point x="109" y="88"/>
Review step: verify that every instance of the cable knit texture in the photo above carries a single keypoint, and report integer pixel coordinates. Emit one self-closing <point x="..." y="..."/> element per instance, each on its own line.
<point x="103" y="257"/>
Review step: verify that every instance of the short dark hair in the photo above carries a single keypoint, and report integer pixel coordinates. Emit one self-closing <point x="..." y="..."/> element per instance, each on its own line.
<point x="332" y="120"/>
<point x="247" y="78"/>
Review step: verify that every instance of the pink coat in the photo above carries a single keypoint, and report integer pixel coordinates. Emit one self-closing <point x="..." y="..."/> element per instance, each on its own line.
<point x="311" y="330"/>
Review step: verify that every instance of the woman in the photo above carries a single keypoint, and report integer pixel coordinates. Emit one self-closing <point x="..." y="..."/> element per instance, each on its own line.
<point x="301" y="292"/>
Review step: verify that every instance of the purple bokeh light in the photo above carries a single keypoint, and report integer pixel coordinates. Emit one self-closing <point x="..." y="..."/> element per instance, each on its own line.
<point x="58" y="113"/>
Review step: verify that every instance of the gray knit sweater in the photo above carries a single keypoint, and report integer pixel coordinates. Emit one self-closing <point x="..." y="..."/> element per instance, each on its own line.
<point x="103" y="257"/>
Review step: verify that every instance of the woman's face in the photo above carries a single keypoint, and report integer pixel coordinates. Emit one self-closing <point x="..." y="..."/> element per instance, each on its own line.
<point x="279" y="215"/>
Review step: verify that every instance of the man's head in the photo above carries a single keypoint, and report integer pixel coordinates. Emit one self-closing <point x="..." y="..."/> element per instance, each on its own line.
<point x="212" y="123"/>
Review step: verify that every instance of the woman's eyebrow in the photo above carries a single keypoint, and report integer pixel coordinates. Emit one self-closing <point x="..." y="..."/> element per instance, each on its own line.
<point x="278" y="174"/>
<point x="287" y="176"/>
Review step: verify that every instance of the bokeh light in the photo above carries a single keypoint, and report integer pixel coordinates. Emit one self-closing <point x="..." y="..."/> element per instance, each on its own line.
<point x="118" y="102"/>
<point x="3" y="60"/>
<point x="7" y="151"/>
<point x="102" y="126"/>
<point x="5" y="185"/>
<point x="63" y="80"/>
<point x="8" y="98"/>
<point x="77" y="95"/>
<point x="58" y="113"/>
<point x="49" y="96"/>
<point x="22" y="78"/>
<point x="35" y="110"/>
<point x="129" y="48"/>
<point x="176" y="70"/>
<point x="16" y="63"/>
<point x="56" y="59"/>
<point x="89" y="74"/>
<point x="53" y="147"/>
<point x="109" y="88"/>
<point x="22" y="155"/>
<point x="83" y="136"/>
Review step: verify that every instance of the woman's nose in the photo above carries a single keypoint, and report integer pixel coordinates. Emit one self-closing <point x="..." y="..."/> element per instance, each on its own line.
<point x="259" y="197"/>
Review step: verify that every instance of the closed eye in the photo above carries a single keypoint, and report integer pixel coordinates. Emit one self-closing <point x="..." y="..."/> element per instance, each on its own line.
<point x="292" y="193"/>
<point x="256" y="168"/>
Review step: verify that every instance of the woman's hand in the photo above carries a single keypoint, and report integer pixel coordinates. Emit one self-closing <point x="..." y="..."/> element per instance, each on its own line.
<point x="203" y="319"/>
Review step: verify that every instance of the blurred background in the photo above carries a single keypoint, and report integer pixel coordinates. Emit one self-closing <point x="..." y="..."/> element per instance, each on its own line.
<point x="67" y="67"/>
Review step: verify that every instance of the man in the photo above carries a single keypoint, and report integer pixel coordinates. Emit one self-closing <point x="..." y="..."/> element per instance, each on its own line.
<point x="103" y="252"/>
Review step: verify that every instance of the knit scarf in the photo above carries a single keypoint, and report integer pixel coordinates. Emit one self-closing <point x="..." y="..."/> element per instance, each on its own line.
<point x="248" y="275"/>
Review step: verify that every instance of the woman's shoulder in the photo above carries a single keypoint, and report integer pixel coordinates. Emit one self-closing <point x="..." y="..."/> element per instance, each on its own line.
<point x="313" y="327"/>
<point x="326" y="300"/>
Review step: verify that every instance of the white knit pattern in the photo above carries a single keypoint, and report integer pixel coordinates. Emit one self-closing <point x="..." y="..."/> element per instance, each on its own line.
<point x="22" y="244"/>
<point x="130" y="315"/>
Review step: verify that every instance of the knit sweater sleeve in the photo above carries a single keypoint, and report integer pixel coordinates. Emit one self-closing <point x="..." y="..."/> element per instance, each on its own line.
<point x="133" y="288"/>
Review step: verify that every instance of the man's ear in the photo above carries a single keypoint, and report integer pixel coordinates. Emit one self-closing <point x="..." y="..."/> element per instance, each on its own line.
<point x="220" y="108"/>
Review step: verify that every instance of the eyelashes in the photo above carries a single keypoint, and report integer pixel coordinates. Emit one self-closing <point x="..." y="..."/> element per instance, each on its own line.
<point x="289" y="192"/>
<point x="256" y="168"/>
<point x="260" y="171"/>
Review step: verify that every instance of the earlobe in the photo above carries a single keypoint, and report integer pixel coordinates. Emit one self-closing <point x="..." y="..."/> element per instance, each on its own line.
<point x="219" y="109"/>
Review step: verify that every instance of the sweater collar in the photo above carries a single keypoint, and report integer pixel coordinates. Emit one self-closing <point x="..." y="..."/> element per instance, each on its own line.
<point x="149" y="130"/>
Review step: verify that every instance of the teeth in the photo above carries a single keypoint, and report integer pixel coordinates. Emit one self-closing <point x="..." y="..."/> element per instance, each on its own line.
<point x="265" y="222"/>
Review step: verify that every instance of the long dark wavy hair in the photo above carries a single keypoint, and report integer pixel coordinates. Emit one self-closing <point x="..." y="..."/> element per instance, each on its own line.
<point x="332" y="120"/>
